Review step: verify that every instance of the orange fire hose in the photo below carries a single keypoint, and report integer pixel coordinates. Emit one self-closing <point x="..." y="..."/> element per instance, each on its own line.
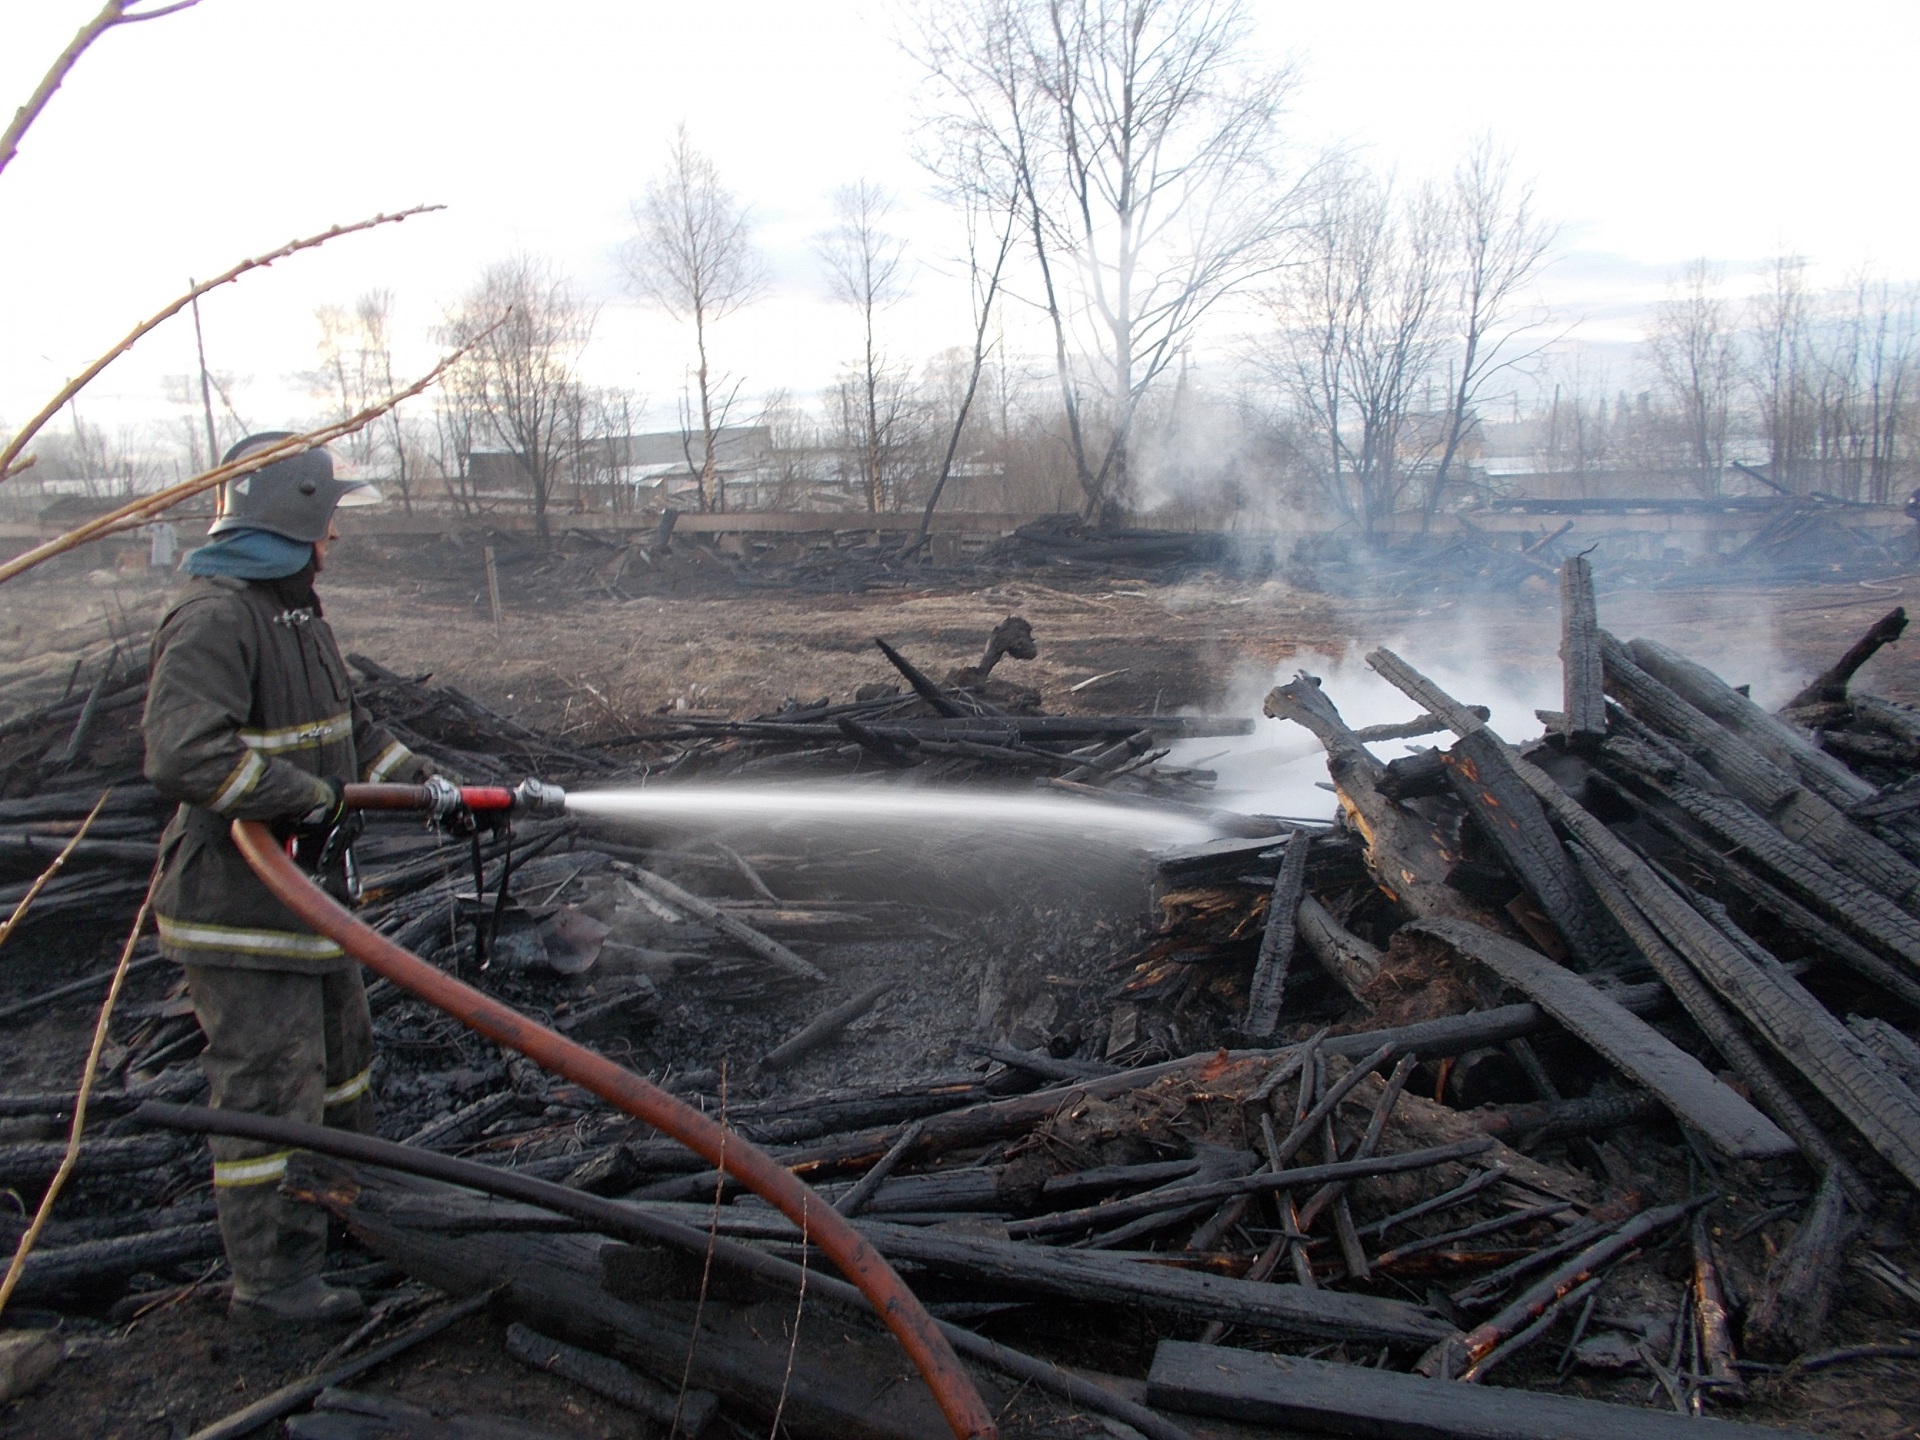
<point x="953" y="1389"/>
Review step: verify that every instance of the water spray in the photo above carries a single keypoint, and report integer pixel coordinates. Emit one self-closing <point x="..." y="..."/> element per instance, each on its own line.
<point x="896" y="1305"/>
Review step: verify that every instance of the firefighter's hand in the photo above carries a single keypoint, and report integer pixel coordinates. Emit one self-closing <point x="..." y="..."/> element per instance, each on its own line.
<point x="327" y="811"/>
<point x="446" y="808"/>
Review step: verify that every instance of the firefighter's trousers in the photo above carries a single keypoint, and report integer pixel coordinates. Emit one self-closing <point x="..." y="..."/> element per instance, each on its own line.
<point x="296" y="1047"/>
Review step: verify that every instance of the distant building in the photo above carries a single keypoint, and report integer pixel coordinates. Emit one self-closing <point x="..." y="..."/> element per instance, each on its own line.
<point x="659" y="468"/>
<point x="664" y="466"/>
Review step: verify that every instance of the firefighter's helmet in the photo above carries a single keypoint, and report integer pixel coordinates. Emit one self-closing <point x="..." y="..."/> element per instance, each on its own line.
<point x="293" y="498"/>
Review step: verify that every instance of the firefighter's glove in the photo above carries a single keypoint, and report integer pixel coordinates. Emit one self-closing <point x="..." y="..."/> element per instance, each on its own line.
<point x="327" y="811"/>
<point x="323" y="835"/>
<point x="445" y="807"/>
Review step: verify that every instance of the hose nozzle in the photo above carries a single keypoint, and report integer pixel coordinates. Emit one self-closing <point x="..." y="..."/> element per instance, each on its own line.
<point x="536" y="797"/>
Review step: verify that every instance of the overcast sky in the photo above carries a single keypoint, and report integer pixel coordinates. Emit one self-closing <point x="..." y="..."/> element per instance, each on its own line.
<point x="1654" y="131"/>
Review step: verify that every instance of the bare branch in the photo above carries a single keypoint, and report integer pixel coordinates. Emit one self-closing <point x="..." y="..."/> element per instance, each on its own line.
<point x="178" y="5"/>
<point x="114" y="13"/>
<point x="147" y="507"/>
<point x="11" y="454"/>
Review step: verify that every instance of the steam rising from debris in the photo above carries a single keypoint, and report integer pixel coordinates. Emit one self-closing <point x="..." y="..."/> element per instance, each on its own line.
<point x="1280" y="769"/>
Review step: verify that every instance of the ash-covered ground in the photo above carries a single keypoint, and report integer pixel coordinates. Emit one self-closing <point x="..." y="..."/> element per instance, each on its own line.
<point x="989" y="937"/>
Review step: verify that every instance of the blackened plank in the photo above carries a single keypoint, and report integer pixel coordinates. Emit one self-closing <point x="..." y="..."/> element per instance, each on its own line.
<point x="1634" y="1047"/>
<point x="1335" y="1399"/>
<point x="1585" y="703"/>
<point x="1276" y="945"/>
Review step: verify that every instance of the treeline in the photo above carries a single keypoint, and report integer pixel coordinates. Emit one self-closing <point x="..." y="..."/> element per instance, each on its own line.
<point x="1168" y="301"/>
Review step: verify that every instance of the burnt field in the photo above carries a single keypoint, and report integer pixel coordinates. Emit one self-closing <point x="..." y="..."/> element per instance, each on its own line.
<point x="1372" y="1084"/>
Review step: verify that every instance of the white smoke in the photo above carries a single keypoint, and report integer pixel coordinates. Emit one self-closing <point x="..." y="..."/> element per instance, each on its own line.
<point x="1279" y="769"/>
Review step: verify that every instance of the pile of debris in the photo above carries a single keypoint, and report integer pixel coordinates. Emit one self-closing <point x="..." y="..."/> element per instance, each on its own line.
<point x="1813" y="537"/>
<point x="1601" y="1081"/>
<point x="970" y="726"/>
<point x="1065" y="541"/>
<point x="1473" y="562"/>
<point x="841" y="556"/>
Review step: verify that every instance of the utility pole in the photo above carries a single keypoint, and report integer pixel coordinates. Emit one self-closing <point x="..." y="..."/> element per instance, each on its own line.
<point x="206" y="389"/>
<point x="80" y="444"/>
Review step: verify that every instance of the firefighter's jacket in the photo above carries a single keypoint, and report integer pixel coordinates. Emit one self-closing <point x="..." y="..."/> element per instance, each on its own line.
<point x="248" y="707"/>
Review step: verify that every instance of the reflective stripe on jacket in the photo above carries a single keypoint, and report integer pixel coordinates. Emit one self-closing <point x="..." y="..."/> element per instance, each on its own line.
<point x="248" y="707"/>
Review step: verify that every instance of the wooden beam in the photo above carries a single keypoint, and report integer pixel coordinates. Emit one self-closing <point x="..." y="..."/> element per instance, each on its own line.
<point x="1633" y="1047"/>
<point x="824" y="1027"/>
<point x="1774" y="792"/>
<point x="1406" y="854"/>
<point x="1790" y="1313"/>
<point x="1276" y="944"/>
<point x="1317" y="1395"/>
<point x="1120" y="1278"/>
<point x="1345" y="956"/>
<point x="1511" y="818"/>
<point x="1831" y="683"/>
<point x="841" y="1380"/>
<point x="1853" y="905"/>
<point x="1723" y="1032"/>
<point x="1585" y="704"/>
<point x="1794" y="1024"/>
<point x="733" y="929"/>
<point x="1784" y="744"/>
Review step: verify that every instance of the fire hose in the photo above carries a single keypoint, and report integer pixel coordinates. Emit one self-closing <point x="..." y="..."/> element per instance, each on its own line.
<point x="897" y="1306"/>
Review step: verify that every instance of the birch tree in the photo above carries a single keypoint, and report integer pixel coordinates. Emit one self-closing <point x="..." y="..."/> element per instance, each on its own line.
<point x="693" y="255"/>
<point x="1361" y="323"/>
<point x="1141" y="146"/>
<point x="866" y="270"/>
<point x="356" y="368"/>
<point x="1690" y="350"/>
<point x="1501" y="246"/>
<point x="520" y="381"/>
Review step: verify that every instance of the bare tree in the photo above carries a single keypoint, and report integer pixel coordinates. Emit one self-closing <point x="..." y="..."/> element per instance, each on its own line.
<point x="450" y="444"/>
<point x="117" y="464"/>
<point x="991" y="228"/>
<point x="1362" y="324"/>
<point x="866" y="270"/>
<point x="1142" y="151"/>
<point x="1577" y="439"/>
<point x="527" y="330"/>
<point x="693" y="256"/>
<point x="1781" y="366"/>
<point x="1501" y="246"/>
<point x="356" y="368"/>
<point x="1891" y="364"/>
<point x="1690" y="349"/>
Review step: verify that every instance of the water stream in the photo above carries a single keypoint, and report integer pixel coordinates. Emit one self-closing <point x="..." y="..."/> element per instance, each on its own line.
<point x="877" y="811"/>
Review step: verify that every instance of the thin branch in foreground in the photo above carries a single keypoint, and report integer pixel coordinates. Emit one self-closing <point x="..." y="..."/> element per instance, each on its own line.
<point x="146" y="507"/>
<point x="115" y="13"/>
<point x="10" y="462"/>
<point x="87" y="1077"/>
<point x="33" y="890"/>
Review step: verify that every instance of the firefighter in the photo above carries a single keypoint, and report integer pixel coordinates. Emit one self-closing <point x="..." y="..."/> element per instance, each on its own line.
<point x="251" y="716"/>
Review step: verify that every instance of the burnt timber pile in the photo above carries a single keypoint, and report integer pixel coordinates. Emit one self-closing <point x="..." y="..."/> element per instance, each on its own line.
<point x="1547" y="1090"/>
